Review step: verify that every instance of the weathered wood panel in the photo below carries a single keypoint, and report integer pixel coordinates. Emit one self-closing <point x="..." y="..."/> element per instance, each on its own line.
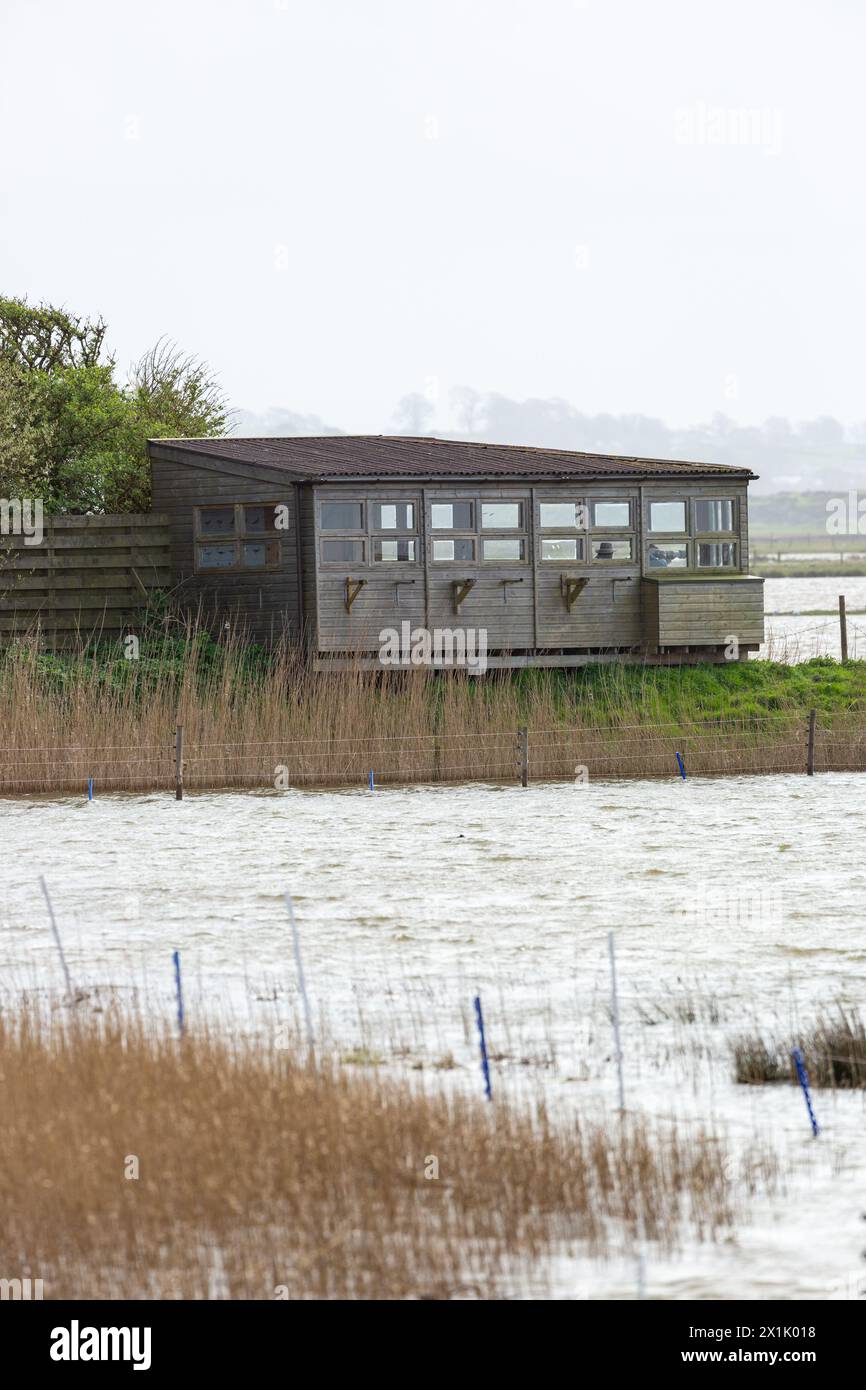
<point x="703" y="612"/>
<point x="88" y="576"/>
<point x="265" y="605"/>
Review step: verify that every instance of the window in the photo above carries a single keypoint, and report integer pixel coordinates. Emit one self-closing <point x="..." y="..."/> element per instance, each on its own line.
<point x="260" y="554"/>
<point x="504" y="548"/>
<point x="235" y="535"/>
<point x="717" y="555"/>
<point x="347" y="551"/>
<point x="452" y="516"/>
<point x="611" y="550"/>
<point x="216" y="521"/>
<point x="217" y="557"/>
<point x="667" y="516"/>
<point x="393" y="516"/>
<point x="561" y="548"/>
<point x="500" y="516"/>
<point x="394" y="551"/>
<point x="263" y="518"/>
<point x="668" y="555"/>
<point x="611" y="514"/>
<point x="562" y="514"/>
<point x="714" y="514"/>
<point x="342" y="516"/>
<point x="460" y="548"/>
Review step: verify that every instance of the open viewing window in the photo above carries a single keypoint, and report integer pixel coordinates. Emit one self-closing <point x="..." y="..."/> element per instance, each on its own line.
<point x="667" y="517"/>
<point x="239" y="536"/>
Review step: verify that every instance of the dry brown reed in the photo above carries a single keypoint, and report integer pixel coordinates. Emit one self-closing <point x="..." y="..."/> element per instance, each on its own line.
<point x="833" y="1048"/>
<point x="134" y="1165"/>
<point x="59" y="727"/>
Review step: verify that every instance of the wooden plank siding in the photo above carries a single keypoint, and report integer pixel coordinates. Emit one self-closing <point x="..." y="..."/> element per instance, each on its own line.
<point x="619" y="607"/>
<point x="703" y="612"/>
<point x="264" y="604"/>
<point x="87" y="576"/>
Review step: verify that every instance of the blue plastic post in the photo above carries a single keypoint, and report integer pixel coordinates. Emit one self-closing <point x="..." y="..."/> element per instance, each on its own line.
<point x="372" y="783"/>
<point x="180" y="1023"/>
<point x="682" y="768"/>
<point x="485" y="1066"/>
<point x="804" y="1082"/>
<point x="90" y="789"/>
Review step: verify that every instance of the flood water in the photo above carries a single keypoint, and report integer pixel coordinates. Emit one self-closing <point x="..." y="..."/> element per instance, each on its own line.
<point x="802" y="618"/>
<point x="735" y="903"/>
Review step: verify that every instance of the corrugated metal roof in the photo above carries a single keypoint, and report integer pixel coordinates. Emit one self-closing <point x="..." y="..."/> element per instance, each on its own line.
<point x="332" y="457"/>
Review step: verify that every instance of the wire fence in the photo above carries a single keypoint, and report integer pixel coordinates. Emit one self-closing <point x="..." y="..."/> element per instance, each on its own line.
<point x="772" y="742"/>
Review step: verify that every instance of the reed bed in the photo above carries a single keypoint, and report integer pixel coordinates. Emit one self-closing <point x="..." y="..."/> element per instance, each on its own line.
<point x="134" y="1165"/>
<point x="833" y="1048"/>
<point x="275" y="723"/>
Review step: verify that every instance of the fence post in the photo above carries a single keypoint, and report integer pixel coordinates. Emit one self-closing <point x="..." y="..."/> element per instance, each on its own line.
<point x="523" y="755"/>
<point x="178" y="763"/>
<point x="810" y="755"/>
<point x="843" y="627"/>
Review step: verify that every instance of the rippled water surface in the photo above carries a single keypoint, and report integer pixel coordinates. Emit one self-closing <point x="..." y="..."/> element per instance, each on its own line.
<point x="735" y="903"/>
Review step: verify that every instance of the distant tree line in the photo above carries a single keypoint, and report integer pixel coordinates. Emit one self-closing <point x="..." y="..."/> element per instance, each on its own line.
<point x="812" y="454"/>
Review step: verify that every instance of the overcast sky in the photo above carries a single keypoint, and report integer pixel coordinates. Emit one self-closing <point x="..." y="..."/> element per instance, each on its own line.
<point x="653" y="207"/>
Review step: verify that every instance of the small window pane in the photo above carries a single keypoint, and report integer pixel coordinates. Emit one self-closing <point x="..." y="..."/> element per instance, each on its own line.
<point x="395" y="550"/>
<point x="342" y="516"/>
<point x="451" y="516"/>
<point x="262" y="518"/>
<point x="460" y="548"/>
<point x="611" y="550"/>
<point x="562" y="548"/>
<point x="393" y="516"/>
<point x="667" y="516"/>
<point x="717" y="554"/>
<point x="714" y="514"/>
<point x="500" y="516"/>
<point x="668" y="555"/>
<point x="611" y="514"/>
<point x="217" y="557"/>
<point x="560" y="514"/>
<point x="343" y="552"/>
<point x="259" y="553"/>
<point x="216" y="521"/>
<point x="502" y="549"/>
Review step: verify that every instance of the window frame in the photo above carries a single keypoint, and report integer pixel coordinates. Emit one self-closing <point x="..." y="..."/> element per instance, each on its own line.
<point x="668" y="531"/>
<point x="337" y="531"/>
<point x="238" y="537"/>
<point x="355" y="537"/>
<point x="578" y="537"/>
<point x="697" y="531"/>
<point x="728" y="538"/>
<point x="659" y="540"/>
<point x="599" y="538"/>
<point x="611" y="527"/>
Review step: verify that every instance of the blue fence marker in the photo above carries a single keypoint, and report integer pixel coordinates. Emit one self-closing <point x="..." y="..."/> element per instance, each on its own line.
<point x="804" y="1082"/>
<point x="485" y="1066"/>
<point x="180" y="1023"/>
<point x="372" y="783"/>
<point x="90" y="789"/>
<point x="682" y="768"/>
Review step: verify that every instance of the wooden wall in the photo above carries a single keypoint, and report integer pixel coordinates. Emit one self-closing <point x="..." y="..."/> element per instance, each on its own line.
<point x="263" y="605"/>
<point x="89" y="575"/>
<point x="702" y="612"/>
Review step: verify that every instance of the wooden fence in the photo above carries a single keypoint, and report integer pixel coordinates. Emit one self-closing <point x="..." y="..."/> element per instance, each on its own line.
<point x="88" y="576"/>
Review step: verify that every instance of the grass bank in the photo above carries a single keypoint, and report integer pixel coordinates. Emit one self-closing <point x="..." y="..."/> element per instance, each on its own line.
<point x="136" y="1166"/>
<point x="261" y="719"/>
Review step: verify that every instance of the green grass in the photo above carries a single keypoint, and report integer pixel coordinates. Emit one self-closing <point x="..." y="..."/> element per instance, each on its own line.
<point x="807" y="569"/>
<point x="657" y="694"/>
